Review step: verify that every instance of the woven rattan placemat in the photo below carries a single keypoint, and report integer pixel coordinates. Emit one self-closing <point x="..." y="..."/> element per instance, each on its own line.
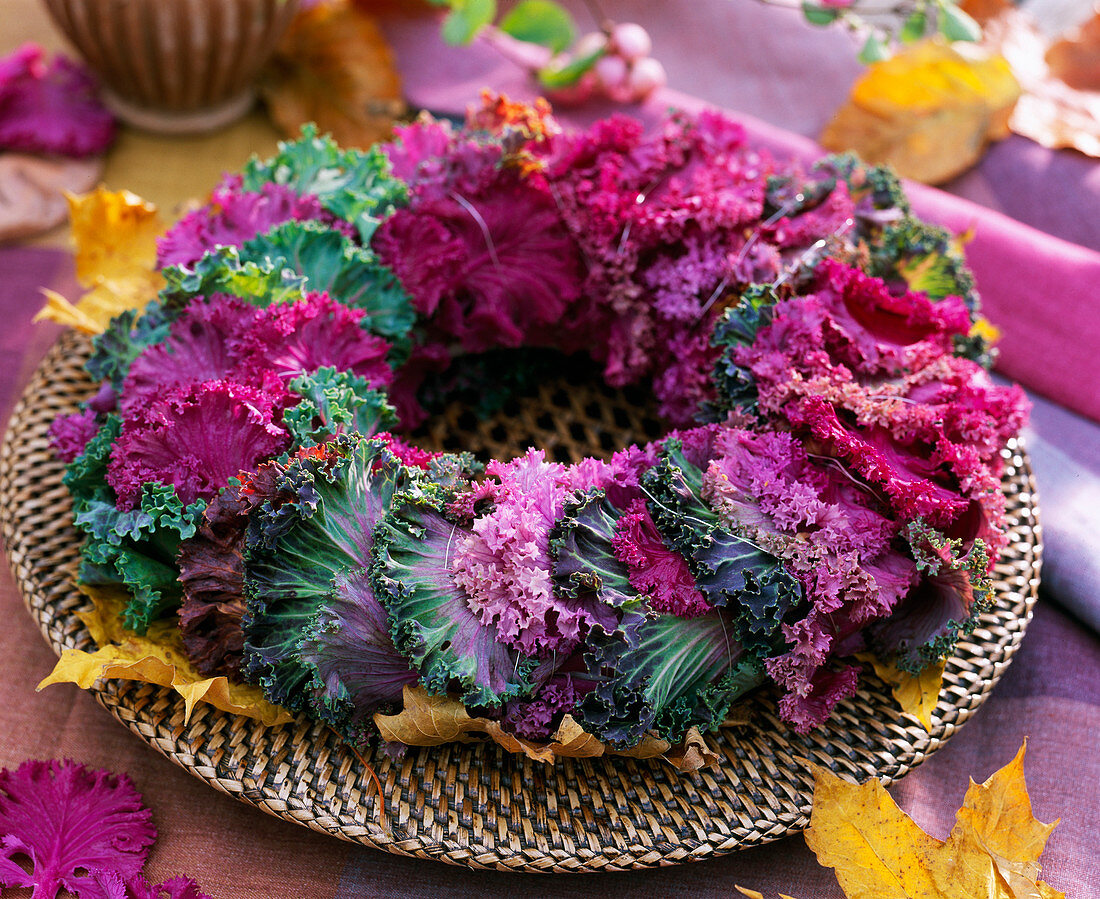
<point x="476" y="805"/>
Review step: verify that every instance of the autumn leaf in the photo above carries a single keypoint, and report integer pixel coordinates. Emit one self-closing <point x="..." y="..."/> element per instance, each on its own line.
<point x="754" y="894"/>
<point x="33" y="189"/>
<point x="432" y="720"/>
<point x="1075" y="57"/>
<point x="929" y="111"/>
<point x="334" y="67"/>
<point x="692" y="754"/>
<point x="981" y="11"/>
<point x="917" y="694"/>
<point x="115" y="239"/>
<point x="1050" y="111"/>
<point x="155" y="658"/>
<point x="878" y="852"/>
<point x="997" y="817"/>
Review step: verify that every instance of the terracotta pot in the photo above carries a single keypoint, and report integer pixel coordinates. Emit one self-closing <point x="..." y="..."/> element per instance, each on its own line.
<point x="175" y="66"/>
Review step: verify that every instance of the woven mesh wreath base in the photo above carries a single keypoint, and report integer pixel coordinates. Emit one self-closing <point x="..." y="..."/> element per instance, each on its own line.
<point x="476" y="805"/>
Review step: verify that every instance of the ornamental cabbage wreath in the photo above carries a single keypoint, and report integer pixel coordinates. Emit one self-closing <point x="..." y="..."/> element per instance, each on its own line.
<point x="831" y="488"/>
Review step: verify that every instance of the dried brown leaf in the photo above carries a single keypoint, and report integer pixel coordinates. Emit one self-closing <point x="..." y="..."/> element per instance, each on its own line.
<point x="428" y="720"/>
<point x="1075" y="57"/>
<point x="33" y="188"/>
<point x="1050" y="112"/>
<point x="334" y="67"/>
<point x="692" y="754"/>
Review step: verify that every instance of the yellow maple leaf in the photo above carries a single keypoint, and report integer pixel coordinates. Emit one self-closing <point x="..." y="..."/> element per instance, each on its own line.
<point x="997" y="816"/>
<point x="114" y="234"/>
<point x="917" y="694"/>
<point x="878" y="852"/>
<point x="929" y="111"/>
<point x="155" y="658"/>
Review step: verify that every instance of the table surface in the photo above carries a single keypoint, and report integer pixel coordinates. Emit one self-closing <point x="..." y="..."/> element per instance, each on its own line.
<point x="760" y="61"/>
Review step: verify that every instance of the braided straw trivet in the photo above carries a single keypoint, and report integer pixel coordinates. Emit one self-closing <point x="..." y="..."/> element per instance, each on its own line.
<point x="476" y="805"/>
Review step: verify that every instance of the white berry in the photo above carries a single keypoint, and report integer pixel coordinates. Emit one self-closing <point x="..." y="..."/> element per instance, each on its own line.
<point x="611" y="72"/>
<point x="646" y="76"/>
<point x="631" y="41"/>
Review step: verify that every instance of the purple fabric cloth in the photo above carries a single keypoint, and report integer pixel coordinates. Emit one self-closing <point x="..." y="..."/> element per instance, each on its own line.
<point x="1065" y="455"/>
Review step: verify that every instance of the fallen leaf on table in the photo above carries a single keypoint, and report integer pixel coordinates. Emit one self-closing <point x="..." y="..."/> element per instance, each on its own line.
<point x="1050" y="112"/>
<point x="917" y="694"/>
<point x="981" y="11"/>
<point x="878" y="852"/>
<point x="1075" y="57"/>
<point x="754" y="894"/>
<point x="432" y="720"/>
<point x="33" y="188"/>
<point x="115" y="239"/>
<point x="929" y="111"/>
<point x="334" y="67"/>
<point x="155" y="658"/>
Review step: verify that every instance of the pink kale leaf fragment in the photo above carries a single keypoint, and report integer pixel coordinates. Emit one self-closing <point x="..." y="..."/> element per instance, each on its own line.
<point x="50" y="108"/>
<point x="172" y="888"/>
<point x="69" y="821"/>
<point x="235" y="215"/>
<point x="69" y="434"/>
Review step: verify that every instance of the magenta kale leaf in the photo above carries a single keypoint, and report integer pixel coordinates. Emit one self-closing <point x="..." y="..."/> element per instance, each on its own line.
<point x="195" y="438"/>
<point x="234" y="215"/>
<point x="503" y="563"/>
<point x="68" y="821"/>
<point x="50" y="108"/>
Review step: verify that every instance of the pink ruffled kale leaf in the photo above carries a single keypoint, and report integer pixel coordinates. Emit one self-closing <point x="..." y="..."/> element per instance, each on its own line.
<point x="538" y="717"/>
<point x="488" y="268"/>
<point x="827" y="687"/>
<point x="657" y="572"/>
<point x="51" y="108"/>
<point x="435" y="624"/>
<point x="298" y="338"/>
<point x="68" y="820"/>
<point x="69" y="434"/>
<point x="203" y="344"/>
<point x="111" y="885"/>
<point x="504" y="563"/>
<point x="195" y="439"/>
<point x="233" y="216"/>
